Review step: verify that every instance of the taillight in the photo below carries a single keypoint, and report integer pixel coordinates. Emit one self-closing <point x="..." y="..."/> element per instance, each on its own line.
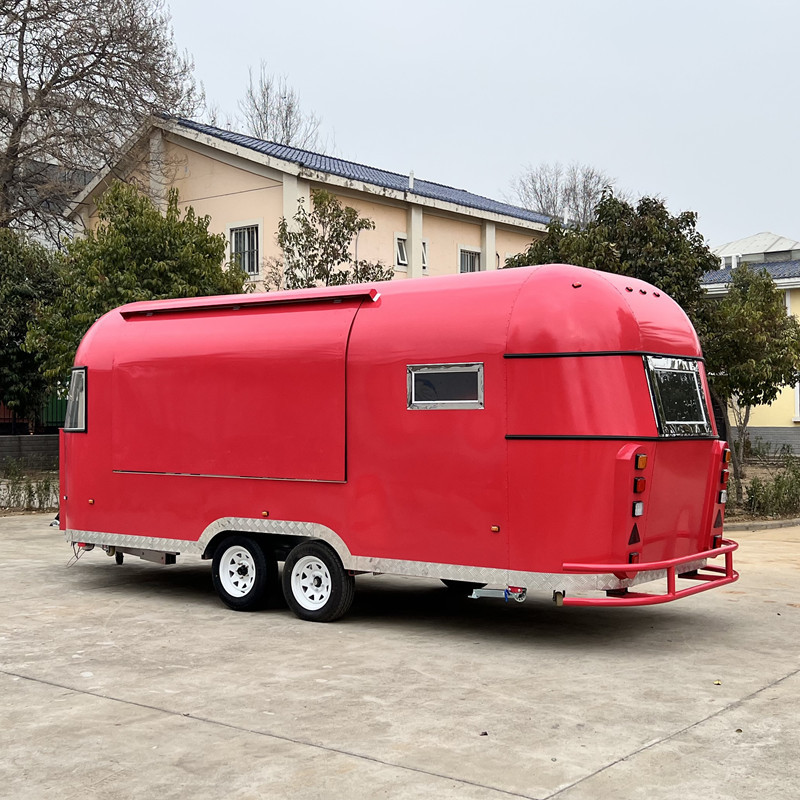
<point x="640" y="461"/>
<point x="724" y="478"/>
<point x="639" y="485"/>
<point x="726" y="456"/>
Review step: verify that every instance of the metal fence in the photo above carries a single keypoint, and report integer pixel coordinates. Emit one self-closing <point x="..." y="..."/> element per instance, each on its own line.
<point x="49" y="419"/>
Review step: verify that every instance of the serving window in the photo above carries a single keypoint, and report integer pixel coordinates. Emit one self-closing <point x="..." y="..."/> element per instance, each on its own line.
<point x="678" y="397"/>
<point x="445" y="386"/>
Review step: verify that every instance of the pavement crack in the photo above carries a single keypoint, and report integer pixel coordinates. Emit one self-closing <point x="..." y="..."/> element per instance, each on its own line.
<point x="655" y="742"/>
<point x="268" y="735"/>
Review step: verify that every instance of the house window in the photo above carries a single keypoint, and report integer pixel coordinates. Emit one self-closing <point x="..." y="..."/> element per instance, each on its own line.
<point x="778" y="255"/>
<point x="400" y="252"/>
<point x="244" y="248"/>
<point x="424" y="256"/>
<point x="432" y="386"/>
<point x="470" y="260"/>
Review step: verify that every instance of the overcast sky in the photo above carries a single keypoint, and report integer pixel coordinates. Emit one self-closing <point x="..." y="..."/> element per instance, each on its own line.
<point x="694" y="101"/>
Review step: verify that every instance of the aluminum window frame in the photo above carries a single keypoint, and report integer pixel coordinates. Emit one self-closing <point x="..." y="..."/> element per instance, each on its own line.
<point x="414" y="404"/>
<point x="77" y="394"/>
<point x="677" y="428"/>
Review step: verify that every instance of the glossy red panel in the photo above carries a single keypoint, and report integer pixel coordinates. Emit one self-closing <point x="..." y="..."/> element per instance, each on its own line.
<point x="579" y="396"/>
<point x="256" y="392"/>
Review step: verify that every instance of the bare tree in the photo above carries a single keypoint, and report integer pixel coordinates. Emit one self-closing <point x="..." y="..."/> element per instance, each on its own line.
<point x="570" y="192"/>
<point x="271" y="110"/>
<point x="77" y="79"/>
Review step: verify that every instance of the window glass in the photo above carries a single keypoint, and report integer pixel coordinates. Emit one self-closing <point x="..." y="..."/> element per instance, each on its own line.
<point x="401" y="255"/>
<point x="678" y="397"/>
<point x="244" y="248"/>
<point x="424" y="255"/>
<point x="445" y="386"/>
<point x="75" y="418"/>
<point x="470" y="261"/>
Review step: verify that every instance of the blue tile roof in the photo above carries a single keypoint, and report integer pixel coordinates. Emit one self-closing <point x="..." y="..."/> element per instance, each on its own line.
<point x="359" y="172"/>
<point x="776" y="269"/>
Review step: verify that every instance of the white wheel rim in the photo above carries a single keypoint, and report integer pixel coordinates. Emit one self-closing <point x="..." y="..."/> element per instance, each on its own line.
<point x="311" y="583"/>
<point x="237" y="571"/>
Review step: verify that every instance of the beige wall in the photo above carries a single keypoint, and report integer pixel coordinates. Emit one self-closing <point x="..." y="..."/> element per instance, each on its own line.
<point x="445" y="236"/>
<point x="232" y="197"/>
<point x="234" y="191"/>
<point x="781" y="413"/>
<point x="510" y="243"/>
<point x="377" y="244"/>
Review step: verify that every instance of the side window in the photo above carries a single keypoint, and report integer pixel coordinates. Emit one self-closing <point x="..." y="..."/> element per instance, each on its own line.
<point x="445" y="386"/>
<point x="75" y="419"/>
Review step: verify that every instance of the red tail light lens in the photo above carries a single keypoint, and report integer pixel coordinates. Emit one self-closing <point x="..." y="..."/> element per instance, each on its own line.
<point x="639" y="485"/>
<point x="725" y="477"/>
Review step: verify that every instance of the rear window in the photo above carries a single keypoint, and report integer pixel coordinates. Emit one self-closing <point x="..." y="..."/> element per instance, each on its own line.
<point x="678" y="398"/>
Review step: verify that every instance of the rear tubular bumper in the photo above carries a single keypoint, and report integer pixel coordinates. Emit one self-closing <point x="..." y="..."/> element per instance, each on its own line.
<point x="706" y="577"/>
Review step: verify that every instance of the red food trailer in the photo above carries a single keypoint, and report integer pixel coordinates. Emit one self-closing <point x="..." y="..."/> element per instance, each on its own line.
<point x="535" y="429"/>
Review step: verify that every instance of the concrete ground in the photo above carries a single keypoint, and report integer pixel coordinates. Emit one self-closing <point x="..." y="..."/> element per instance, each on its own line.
<point x="134" y="681"/>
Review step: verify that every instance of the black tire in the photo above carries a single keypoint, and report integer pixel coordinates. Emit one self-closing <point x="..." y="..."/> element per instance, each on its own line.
<point x="243" y="573"/>
<point x="316" y="586"/>
<point x="464" y="588"/>
<point x="119" y="557"/>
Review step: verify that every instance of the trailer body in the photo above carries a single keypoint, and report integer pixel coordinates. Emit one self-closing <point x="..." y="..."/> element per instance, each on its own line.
<point x="544" y="428"/>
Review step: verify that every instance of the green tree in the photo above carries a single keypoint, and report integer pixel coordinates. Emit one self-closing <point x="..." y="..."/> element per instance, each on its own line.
<point x="29" y="279"/>
<point x="642" y="240"/>
<point x="135" y="253"/>
<point x="316" y="247"/>
<point x="752" y="349"/>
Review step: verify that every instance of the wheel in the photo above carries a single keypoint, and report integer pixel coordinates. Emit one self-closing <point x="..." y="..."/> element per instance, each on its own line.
<point x="243" y="573"/>
<point x="119" y="557"/>
<point x="462" y="587"/>
<point x="315" y="584"/>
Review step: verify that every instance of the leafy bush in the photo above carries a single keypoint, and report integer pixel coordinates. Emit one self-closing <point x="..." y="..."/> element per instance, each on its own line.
<point x="778" y="495"/>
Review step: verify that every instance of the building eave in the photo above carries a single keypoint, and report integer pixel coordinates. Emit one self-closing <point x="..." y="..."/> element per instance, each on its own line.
<point x="722" y="288"/>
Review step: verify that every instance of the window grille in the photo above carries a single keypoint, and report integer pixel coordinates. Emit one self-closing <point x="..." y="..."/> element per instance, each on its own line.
<point x="470" y="261"/>
<point x="244" y="248"/>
